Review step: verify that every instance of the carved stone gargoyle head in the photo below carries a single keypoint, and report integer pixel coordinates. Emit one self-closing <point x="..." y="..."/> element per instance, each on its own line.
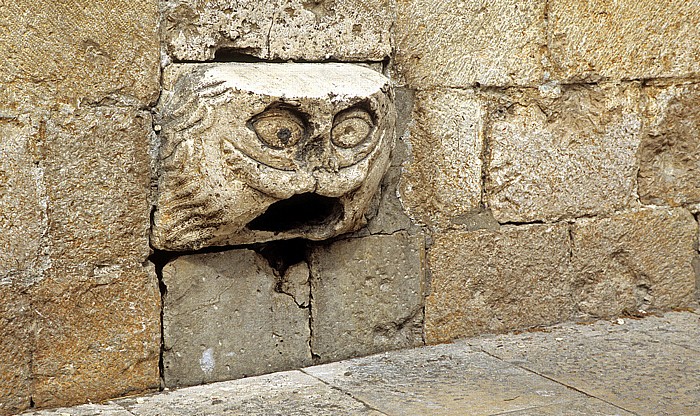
<point x="254" y="152"/>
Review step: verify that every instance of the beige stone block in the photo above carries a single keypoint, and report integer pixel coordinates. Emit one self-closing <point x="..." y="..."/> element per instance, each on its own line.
<point x="314" y="30"/>
<point x="225" y="316"/>
<point x="565" y="153"/>
<point x="495" y="281"/>
<point x="640" y="260"/>
<point x="22" y="199"/>
<point x="97" y="334"/>
<point x="17" y="335"/>
<point x="669" y="173"/>
<point x="611" y="40"/>
<point x="451" y="43"/>
<point x="97" y="174"/>
<point x="98" y="306"/>
<point x="366" y="296"/>
<point x="80" y="51"/>
<point x="442" y="178"/>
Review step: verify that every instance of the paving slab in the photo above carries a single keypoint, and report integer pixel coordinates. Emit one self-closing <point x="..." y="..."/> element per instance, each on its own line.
<point x="628" y="364"/>
<point x="109" y="409"/>
<point x="448" y="379"/>
<point x="581" y="407"/>
<point x="290" y="393"/>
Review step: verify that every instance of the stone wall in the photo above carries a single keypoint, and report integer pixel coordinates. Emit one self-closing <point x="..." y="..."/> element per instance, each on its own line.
<point x="545" y="169"/>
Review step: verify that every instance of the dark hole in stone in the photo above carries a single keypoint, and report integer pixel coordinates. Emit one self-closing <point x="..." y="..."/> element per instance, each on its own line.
<point x="300" y="211"/>
<point x="284" y="253"/>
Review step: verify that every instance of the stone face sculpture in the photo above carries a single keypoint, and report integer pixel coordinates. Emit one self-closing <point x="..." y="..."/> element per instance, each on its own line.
<point x="253" y="152"/>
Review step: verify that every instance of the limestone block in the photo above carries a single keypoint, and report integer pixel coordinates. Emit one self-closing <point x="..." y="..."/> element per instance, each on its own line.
<point x="22" y="199"/>
<point x="253" y="152"/>
<point x="563" y="154"/>
<point x="669" y="173"/>
<point x="442" y="178"/>
<point x="605" y="39"/>
<point x="312" y="30"/>
<point x="223" y="318"/>
<point x="452" y="43"/>
<point x="98" y="334"/>
<point x="367" y="296"/>
<point x="108" y="52"/>
<point x="97" y="170"/>
<point x="640" y="260"/>
<point x="98" y="305"/>
<point x="16" y="333"/>
<point x="495" y="281"/>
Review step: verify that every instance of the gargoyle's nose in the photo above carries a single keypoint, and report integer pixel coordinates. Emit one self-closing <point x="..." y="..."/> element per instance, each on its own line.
<point x="318" y="154"/>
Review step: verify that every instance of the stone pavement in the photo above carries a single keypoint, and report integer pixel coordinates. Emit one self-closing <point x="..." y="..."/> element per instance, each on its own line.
<point x="645" y="366"/>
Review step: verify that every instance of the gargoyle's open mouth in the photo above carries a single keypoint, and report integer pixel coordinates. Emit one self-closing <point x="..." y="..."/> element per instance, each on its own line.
<point x="301" y="211"/>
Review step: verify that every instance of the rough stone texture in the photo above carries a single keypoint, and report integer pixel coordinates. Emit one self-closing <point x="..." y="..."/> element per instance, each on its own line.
<point x="454" y="43"/>
<point x="564" y="153"/>
<point x="17" y="335"/>
<point x="101" y="56"/>
<point x="669" y="172"/>
<point x="98" y="335"/>
<point x="22" y="199"/>
<point x="441" y="380"/>
<point x="98" y="305"/>
<point x="367" y="295"/>
<point x="110" y="409"/>
<point x="494" y="281"/>
<point x="640" y="260"/>
<point x="259" y="152"/>
<point x="295" y="283"/>
<point x="223" y="319"/>
<point x="580" y="407"/>
<point x="312" y="30"/>
<point x="442" y="178"/>
<point x="605" y="39"/>
<point x="290" y="393"/>
<point x="623" y="364"/>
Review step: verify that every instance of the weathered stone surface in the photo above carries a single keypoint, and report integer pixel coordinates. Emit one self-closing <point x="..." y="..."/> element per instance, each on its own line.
<point x="259" y="152"/>
<point x="295" y="283"/>
<point x="289" y="393"/>
<point x="454" y="43"/>
<point x="312" y="30"/>
<point x="109" y="409"/>
<point x="223" y="319"/>
<point x="620" y="364"/>
<point x="17" y="335"/>
<point x="565" y="153"/>
<point x="98" y="334"/>
<point x="640" y="260"/>
<point x="604" y="39"/>
<point x="442" y="178"/>
<point x="98" y="305"/>
<point x="101" y="55"/>
<point x="97" y="173"/>
<point x="588" y="406"/>
<point x="22" y="199"/>
<point x="441" y="380"/>
<point x="494" y="281"/>
<point x="367" y="295"/>
<point x="669" y="173"/>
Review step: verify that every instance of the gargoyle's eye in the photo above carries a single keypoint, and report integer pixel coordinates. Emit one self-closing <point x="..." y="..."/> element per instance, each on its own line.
<point x="278" y="128"/>
<point x="351" y="127"/>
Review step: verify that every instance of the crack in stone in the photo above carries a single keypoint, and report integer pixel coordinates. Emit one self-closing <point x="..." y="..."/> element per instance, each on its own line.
<point x="347" y="393"/>
<point x="554" y="380"/>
